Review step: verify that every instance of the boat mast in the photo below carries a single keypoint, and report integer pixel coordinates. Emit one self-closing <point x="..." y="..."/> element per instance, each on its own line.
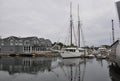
<point x="71" y="23"/>
<point x="78" y="28"/>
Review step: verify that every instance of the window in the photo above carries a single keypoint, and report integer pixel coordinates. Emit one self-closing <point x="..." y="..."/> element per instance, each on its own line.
<point x="16" y="42"/>
<point x="27" y="48"/>
<point x="35" y="42"/>
<point x="11" y="42"/>
<point x="20" y="42"/>
<point x="2" y="43"/>
<point x="27" y="42"/>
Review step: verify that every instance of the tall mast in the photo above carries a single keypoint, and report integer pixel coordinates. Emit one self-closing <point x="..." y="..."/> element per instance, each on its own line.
<point x="78" y="28"/>
<point x="113" y="37"/>
<point x="71" y="23"/>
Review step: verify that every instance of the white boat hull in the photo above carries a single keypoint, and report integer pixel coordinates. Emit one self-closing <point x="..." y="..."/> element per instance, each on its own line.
<point x="90" y="56"/>
<point x="100" y="56"/>
<point x="71" y="54"/>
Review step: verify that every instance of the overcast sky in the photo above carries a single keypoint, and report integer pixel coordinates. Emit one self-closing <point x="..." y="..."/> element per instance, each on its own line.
<point x="50" y="19"/>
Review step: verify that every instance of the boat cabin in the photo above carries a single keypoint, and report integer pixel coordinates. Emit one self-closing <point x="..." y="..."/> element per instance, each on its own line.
<point x="74" y="49"/>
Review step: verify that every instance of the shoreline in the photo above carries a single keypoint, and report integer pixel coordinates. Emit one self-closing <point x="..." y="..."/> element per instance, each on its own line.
<point x="42" y="54"/>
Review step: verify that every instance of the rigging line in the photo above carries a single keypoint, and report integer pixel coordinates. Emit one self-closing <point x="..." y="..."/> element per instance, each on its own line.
<point x="67" y="37"/>
<point x="82" y="34"/>
<point x="74" y="35"/>
<point x="65" y="41"/>
<point x="69" y="40"/>
<point x="58" y="36"/>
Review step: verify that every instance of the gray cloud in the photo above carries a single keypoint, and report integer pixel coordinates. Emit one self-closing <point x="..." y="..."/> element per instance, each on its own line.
<point x="50" y="19"/>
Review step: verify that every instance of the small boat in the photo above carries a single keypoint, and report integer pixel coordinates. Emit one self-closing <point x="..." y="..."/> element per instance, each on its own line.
<point x="100" y="56"/>
<point x="102" y="53"/>
<point x="90" y="56"/>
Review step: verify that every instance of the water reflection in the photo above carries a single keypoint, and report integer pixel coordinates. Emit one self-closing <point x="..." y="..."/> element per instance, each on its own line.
<point x="100" y="61"/>
<point x="71" y="68"/>
<point x="114" y="73"/>
<point x="25" y="65"/>
<point x="56" y="69"/>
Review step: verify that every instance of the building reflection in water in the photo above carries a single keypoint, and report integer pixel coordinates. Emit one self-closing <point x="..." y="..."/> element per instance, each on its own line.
<point x="114" y="73"/>
<point x="49" y="69"/>
<point x="26" y="65"/>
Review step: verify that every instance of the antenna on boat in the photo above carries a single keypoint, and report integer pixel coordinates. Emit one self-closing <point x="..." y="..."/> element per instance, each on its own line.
<point x="78" y="28"/>
<point x="71" y="23"/>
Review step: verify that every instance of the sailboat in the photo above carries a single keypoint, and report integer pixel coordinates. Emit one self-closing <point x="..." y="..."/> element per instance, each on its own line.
<point x="73" y="52"/>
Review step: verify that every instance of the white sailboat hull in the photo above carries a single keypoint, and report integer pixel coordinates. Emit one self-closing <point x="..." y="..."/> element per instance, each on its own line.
<point x="71" y="54"/>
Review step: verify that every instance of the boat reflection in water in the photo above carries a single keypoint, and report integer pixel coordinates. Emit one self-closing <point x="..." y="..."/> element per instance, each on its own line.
<point x="40" y="69"/>
<point x="72" y="69"/>
<point x="114" y="73"/>
<point x="56" y="69"/>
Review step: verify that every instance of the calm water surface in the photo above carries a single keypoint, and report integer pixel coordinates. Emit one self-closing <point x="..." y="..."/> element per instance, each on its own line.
<point x="55" y="69"/>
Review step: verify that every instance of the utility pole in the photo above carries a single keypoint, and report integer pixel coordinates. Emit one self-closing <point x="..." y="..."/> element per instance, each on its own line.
<point x="113" y="37"/>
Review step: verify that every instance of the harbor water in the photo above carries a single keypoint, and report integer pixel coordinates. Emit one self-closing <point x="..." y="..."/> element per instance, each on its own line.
<point x="56" y="69"/>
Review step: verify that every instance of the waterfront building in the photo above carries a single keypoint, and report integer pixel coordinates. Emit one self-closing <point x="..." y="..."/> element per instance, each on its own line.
<point x="14" y="44"/>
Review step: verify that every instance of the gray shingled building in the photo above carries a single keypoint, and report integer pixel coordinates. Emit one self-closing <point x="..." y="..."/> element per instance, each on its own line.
<point x="14" y="44"/>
